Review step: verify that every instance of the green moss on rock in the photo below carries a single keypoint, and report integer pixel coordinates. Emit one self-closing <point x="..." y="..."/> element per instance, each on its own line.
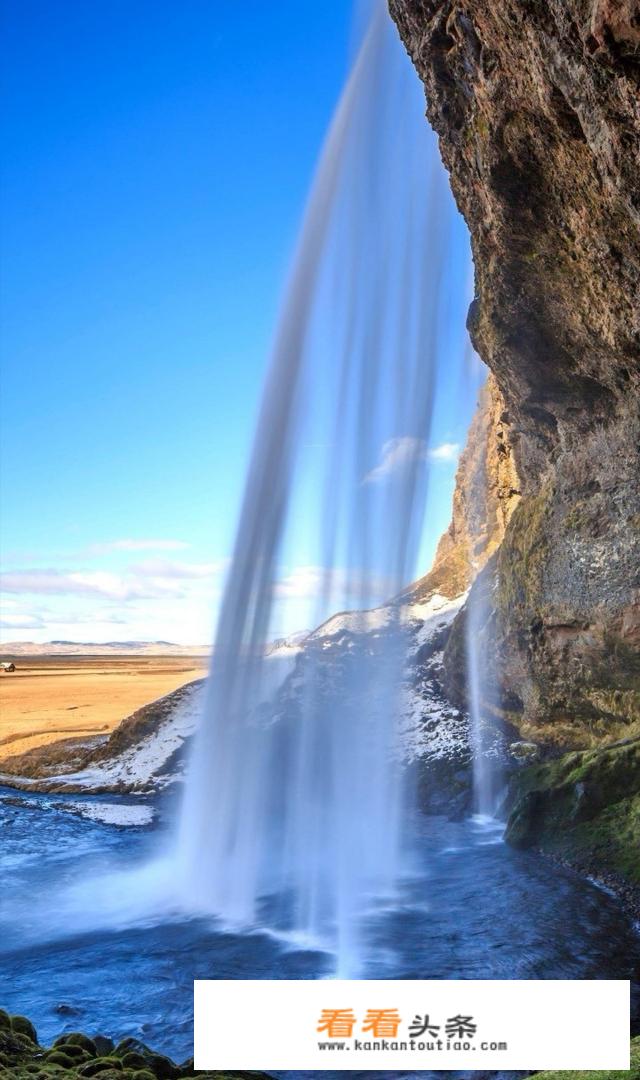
<point x="22" y="1026"/>
<point x="523" y="554"/>
<point x="100" y="1065"/>
<point x="57" y="1057"/>
<point x="74" y="1056"/>
<point x="78" y="1040"/>
<point x="13" y="1048"/>
<point x="133" y="1060"/>
<point x="583" y="807"/>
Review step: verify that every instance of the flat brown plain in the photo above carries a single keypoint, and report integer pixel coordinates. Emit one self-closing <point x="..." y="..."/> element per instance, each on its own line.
<point x="51" y="698"/>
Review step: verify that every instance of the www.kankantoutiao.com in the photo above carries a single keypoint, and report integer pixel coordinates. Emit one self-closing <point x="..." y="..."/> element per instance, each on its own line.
<point x="383" y="1025"/>
<point x="436" y="1045"/>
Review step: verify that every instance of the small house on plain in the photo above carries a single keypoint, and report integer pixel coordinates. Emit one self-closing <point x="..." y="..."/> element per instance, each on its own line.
<point x="7" y="666"/>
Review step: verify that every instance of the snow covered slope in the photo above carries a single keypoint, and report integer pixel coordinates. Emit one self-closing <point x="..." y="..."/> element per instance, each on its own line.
<point x="430" y="728"/>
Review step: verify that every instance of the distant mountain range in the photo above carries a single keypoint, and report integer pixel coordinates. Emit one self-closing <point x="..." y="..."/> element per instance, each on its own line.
<point x="100" y="648"/>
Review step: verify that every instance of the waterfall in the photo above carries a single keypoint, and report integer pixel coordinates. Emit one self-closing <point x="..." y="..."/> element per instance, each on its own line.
<point x="479" y="629"/>
<point x="295" y="808"/>
<point x="484" y="770"/>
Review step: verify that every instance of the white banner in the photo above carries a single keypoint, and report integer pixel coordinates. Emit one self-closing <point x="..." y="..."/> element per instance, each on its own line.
<point x="332" y="1025"/>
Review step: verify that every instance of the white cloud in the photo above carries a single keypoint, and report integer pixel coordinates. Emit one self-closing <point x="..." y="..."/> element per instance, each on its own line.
<point x="88" y="618"/>
<point x="138" y="545"/>
<point x="158" y="597"/>
<point x="302" y="582"/>
<point x="405" y="451"/>
<point x="447" y="451"/>
<point x="305" y="582"/>
<point x="397" y="454"/>
<point x="86" y="583"/>
<point x="152" y="578"/>
<point x="169" y="568"/>
<point x="22" y="622"/>
<point x="183" y="620"/>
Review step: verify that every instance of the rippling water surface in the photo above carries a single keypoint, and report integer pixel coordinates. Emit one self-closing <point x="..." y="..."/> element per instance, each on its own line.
<point x="474" y="909"/>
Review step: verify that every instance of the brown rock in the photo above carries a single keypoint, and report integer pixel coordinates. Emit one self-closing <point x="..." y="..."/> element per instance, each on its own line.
<point x="485" y="496"/>
<point x="537" y="106"/>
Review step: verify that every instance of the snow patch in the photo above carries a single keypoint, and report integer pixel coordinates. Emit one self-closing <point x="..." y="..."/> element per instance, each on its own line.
<point x="429" y="726"/>
<point x="141" y="765"/>
<point x="122" y="814"/>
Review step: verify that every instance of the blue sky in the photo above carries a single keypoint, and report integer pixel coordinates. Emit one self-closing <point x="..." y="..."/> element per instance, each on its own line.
<point x="157" y="158"/>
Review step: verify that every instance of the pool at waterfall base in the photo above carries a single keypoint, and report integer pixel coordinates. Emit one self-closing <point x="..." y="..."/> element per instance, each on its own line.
<point x="472" y="908"/>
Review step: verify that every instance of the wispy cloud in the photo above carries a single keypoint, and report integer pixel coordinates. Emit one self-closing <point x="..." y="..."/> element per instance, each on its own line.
<point x="447" y="451"/>
<point x="304" y="582"/>
<point x="22" y="622"/>
<point x="172" y="569"/>
<point x="83" y="583"/>
<point x="148" y="580"/>
<point x="405" y="451"/>
<point x="397" y="454"/>
<point x="128" y="544"/>
<point x="157" y="598"/>
<point x="41" y="617"/>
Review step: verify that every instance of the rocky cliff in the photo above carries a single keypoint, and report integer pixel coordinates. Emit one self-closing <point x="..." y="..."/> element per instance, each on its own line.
<point x="487" y="491"/>
<point x="537" y="106"/>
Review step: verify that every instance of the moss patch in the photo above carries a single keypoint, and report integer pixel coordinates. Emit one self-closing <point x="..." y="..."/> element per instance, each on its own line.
<point x="583" y="807"/>
<point x="74" y="1056"/>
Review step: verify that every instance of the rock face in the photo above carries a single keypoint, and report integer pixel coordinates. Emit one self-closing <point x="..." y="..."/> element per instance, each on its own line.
<point x="487" y="491"/>
<point x="537" y="105"/>
<point x="584" y="808"/>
